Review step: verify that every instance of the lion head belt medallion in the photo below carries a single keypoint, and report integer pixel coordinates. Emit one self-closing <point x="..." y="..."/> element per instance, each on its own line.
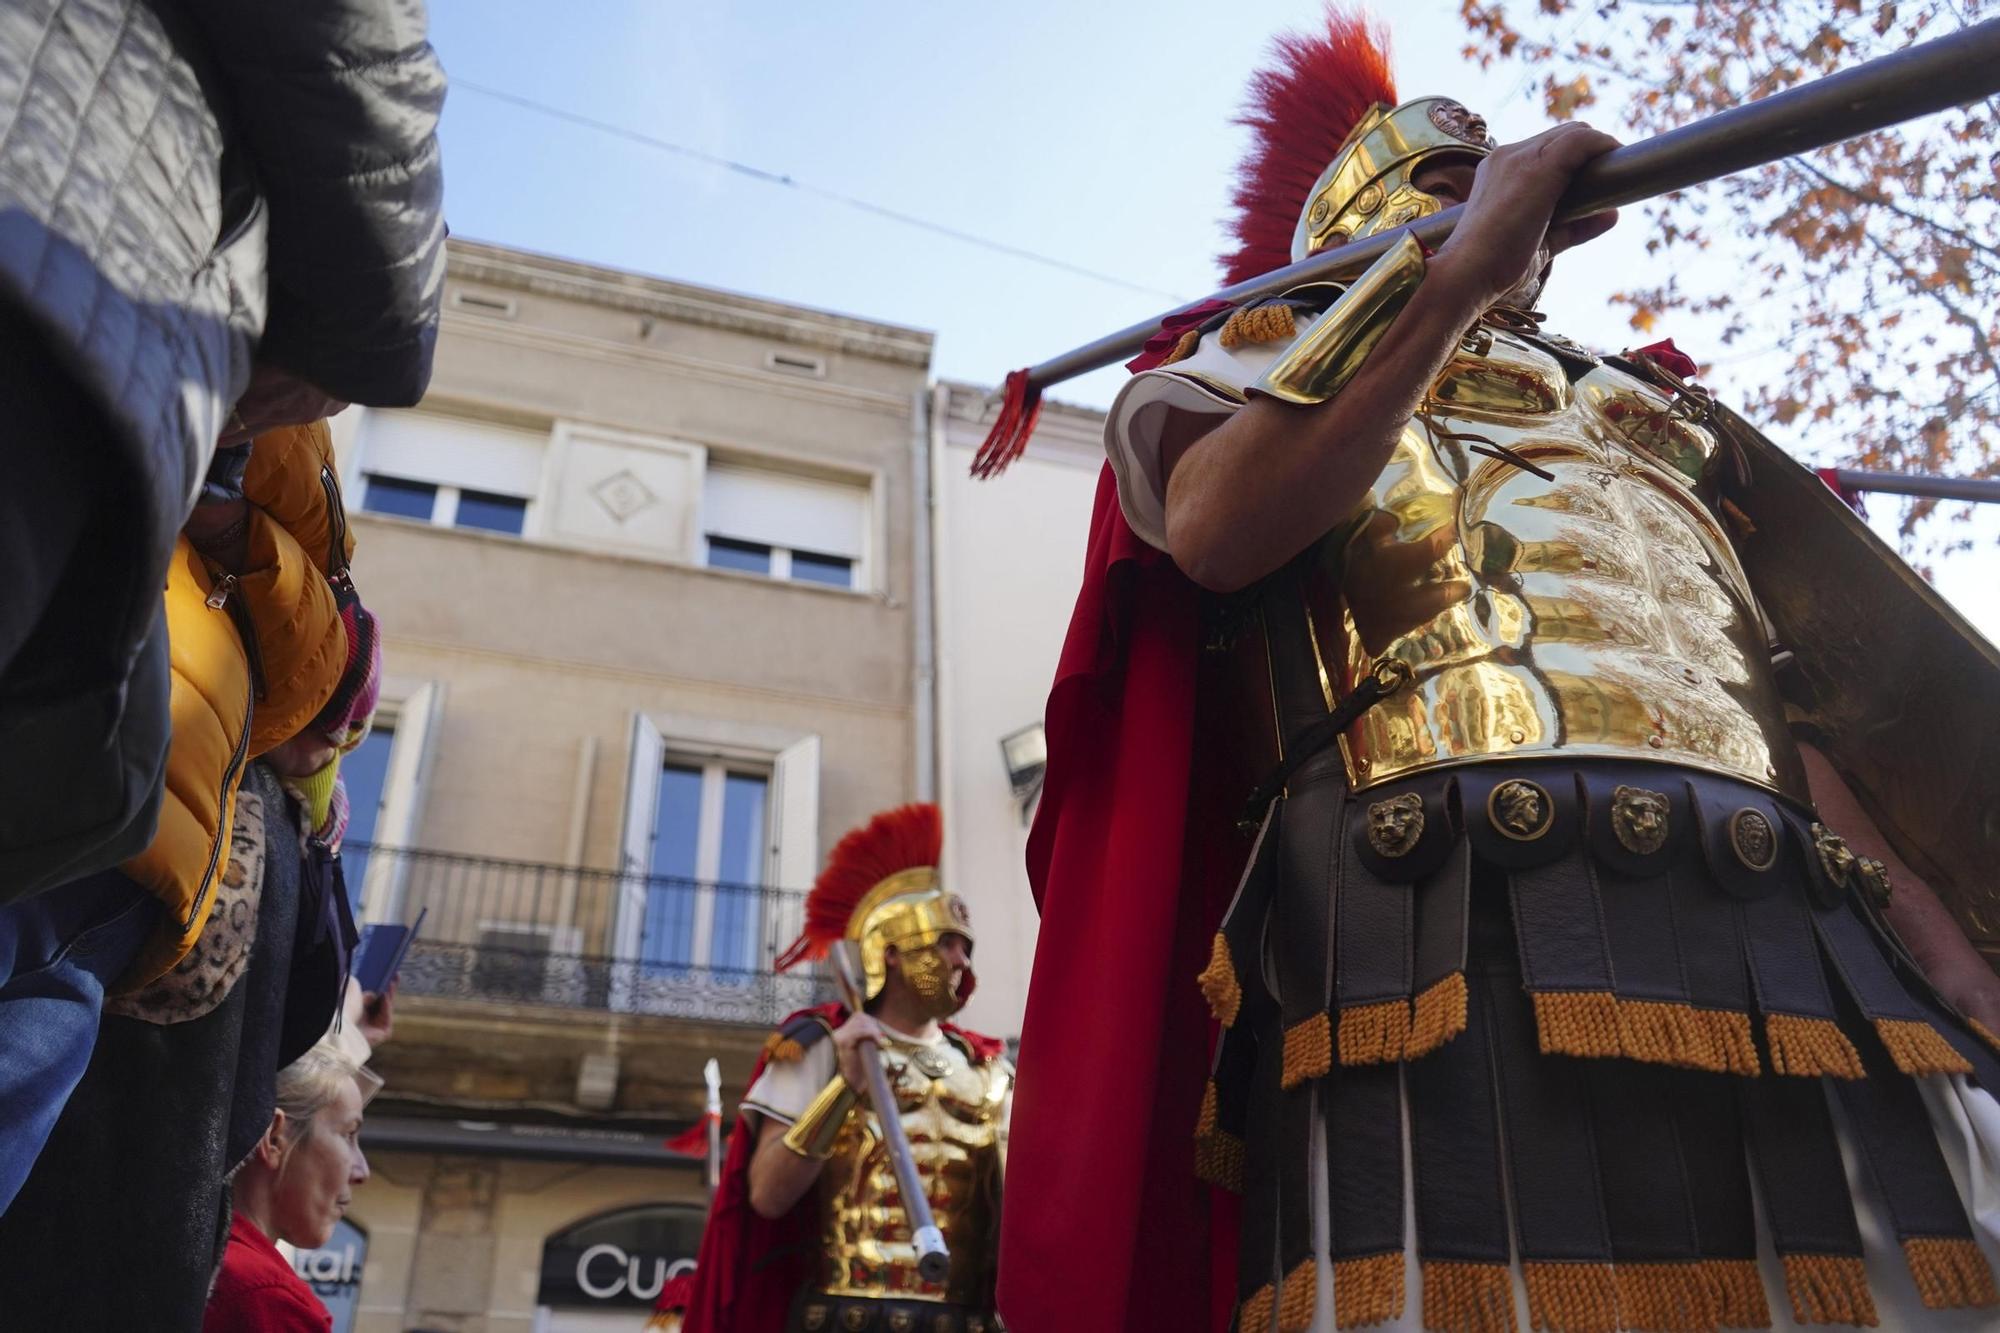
<point x="1753" y="839"/>
<point x="1872" y="878"/>
<point x="1520" y="809"/>
<point x="1834" y="855"/>
<point x="1639" y="818"/>
<point x="1397" y="824"/>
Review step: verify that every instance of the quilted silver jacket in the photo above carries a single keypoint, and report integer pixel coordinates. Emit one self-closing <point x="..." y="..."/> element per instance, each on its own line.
<point x="185" y="184"/>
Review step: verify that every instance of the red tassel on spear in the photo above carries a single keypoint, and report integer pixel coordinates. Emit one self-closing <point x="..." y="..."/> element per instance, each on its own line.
<point x="1020" y="409"/>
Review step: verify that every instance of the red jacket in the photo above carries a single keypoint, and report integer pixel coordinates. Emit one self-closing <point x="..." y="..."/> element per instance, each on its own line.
<point x="257" y="1291"/>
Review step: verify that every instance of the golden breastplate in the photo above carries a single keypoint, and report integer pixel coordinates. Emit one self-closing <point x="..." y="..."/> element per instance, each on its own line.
<point x="952" y="1116"/>
<point x="1575" y="599"/>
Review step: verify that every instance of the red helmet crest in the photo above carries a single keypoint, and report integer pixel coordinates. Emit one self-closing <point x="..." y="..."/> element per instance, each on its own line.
<point x="1300" y="110"/>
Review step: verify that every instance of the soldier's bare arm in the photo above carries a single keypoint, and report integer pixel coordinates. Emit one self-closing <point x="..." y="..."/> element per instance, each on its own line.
<point x="1933" y="936"/>
<point x="780" y="1177"/>
<point x="1249" y="495"/>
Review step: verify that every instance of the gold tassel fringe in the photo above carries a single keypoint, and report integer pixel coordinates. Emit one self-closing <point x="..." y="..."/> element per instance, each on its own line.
<point x="1984" y="1033"/>
<point x="1666" y="1298"/>
<point x="1919" y="1049"/>
<point x="1308" y="1051"/>
<point x="1218" y="1154"/>
<point x="1259" y="324"/>
<point x="1211" y="1099"/>
<point x="1374" y="1034"/>
<point x="1218" y="983"/>
<point x="1810" y="1047"/>
<point x="1183" y="347"/>
<point x="1577" y="1023"/>
<point x="1255" y="1316"/>
<point x="1739" y="1293"/>
<point x="1951" y="1273"/>
<point x="1735" y="1048"/>
<point x="1468" y="1298"/>
<point x="1571" y="1298"/>
<point x="1667" y="1033"/>
<point x="1829" y="1289"/>
<point x="1368" y="1291"/>
<point x="785" y="1050"/>
<point x="1296" y="1296"/>
<point x="1437" y="1016"/>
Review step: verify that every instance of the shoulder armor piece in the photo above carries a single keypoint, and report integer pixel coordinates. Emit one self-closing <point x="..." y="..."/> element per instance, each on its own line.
<point x="797" y="1035"/>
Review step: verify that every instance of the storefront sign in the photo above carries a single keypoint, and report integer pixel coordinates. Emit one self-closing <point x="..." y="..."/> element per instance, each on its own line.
<point x="620" y="1260"/>
<point x="334" y="1272"/>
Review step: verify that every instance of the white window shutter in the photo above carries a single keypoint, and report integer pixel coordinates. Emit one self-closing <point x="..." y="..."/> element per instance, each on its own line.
<point x="795" y="815"/>
<point x="635" y="841"/>
<point x="794" y="861"/>
<point x="403" y="788"/>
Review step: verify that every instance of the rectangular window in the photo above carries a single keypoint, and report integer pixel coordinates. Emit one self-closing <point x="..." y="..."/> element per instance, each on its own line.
<point x="835" y="571"/>
<point x="785" y="526"/>
<point x="451" y="471"/>
<point x="399" y="498"/>
<point x="704" y="897"/>
<point x="365" y="772"/>
<point x="491" y="513"/>
<point x="745" y="557"/>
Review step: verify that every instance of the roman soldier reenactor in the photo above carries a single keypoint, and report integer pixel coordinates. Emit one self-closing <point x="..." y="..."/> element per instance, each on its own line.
<point x="808" y="1230"/>
<point x="1443" y="652"/>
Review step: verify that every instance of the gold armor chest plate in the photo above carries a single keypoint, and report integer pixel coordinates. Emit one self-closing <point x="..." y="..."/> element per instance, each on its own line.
<point x="952" y="1114"/>
<point x="1581" y="601"/>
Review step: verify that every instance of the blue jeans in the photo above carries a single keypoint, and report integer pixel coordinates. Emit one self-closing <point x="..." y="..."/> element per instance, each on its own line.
<point x="58" y="951"/>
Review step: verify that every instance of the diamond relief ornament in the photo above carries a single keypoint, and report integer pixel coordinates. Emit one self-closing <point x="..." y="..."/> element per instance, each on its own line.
<point x="623" y="495"/>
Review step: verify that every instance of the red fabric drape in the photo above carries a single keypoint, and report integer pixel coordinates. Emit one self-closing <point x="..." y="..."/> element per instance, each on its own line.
<point x="1105" y="1225"/>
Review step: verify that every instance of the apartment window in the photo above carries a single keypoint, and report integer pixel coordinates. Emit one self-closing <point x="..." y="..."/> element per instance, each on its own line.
<point x="715" y="811"/>
<point x="704" y="899"/>
<point x="787" y="527"/>
<point x="450" y="471"/>
<point x="491" y="513"/>
<point x="399" y="498"/>
<point x="445" y="506"/>
<point x="365" y="772"/>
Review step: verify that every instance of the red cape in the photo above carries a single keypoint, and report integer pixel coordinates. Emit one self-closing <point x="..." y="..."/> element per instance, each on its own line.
<point x="750" y="1267"/>
<point x="1132" y="862"/>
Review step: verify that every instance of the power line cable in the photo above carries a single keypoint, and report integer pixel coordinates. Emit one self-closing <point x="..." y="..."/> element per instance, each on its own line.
<point x="792" y="183"/>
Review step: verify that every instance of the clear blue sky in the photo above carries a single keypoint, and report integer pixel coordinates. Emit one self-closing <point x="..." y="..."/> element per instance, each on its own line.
<point x="1098" y="134"/>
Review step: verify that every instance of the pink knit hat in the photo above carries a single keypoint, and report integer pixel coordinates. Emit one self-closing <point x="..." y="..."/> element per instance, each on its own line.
<point x="345" y="719"/>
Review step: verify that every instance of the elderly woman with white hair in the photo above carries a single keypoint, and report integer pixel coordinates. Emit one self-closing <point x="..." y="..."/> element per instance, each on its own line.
<point x="294" y="1187"/>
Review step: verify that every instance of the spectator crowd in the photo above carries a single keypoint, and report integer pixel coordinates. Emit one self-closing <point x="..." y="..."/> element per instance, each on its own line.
<point x="221" y="222"/>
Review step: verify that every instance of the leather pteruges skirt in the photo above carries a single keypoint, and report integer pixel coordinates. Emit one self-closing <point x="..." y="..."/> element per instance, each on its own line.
<point x="1603" y="996"/>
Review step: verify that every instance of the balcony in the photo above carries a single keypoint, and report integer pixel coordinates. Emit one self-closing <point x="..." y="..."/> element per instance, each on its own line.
<point x="567" y="937"/>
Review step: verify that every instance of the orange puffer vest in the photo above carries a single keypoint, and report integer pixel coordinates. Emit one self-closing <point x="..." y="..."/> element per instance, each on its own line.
<point x="255" y="656"/>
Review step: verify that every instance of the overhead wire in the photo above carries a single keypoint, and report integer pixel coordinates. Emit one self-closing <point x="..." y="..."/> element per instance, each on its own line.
<point x="789" y="182"/>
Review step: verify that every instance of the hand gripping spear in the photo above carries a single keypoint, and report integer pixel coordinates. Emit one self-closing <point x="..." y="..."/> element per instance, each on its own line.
<point x="1932" y="76"/>
<point x="933" y="1259"/>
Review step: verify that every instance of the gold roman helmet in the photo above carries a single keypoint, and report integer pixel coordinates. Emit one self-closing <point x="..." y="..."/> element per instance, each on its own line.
<point x="1369" y="187"/>
<point x="912" y="911"/>
<point x="881" y="888"/>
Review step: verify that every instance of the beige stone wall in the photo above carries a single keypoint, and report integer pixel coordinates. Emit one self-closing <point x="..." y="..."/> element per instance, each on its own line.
<point x="455" y="1243"/>
<point x="544" y="649"/>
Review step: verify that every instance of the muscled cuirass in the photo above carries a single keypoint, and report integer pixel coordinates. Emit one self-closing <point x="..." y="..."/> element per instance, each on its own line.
<point x="953" y="1116"/>
<point x="1537" y="552"/>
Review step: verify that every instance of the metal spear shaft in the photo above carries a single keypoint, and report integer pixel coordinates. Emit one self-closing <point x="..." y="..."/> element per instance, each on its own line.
<point x="1929" y="77"/>
<point x="933" y="1258"/>
<point x="1973" y="489"/>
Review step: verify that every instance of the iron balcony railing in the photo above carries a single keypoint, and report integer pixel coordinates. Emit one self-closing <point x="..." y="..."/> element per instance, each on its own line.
<point x="526" y="932"/>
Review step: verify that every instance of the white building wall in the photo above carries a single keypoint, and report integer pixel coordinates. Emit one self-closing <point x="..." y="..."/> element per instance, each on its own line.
<point x="1009" y="559"/>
